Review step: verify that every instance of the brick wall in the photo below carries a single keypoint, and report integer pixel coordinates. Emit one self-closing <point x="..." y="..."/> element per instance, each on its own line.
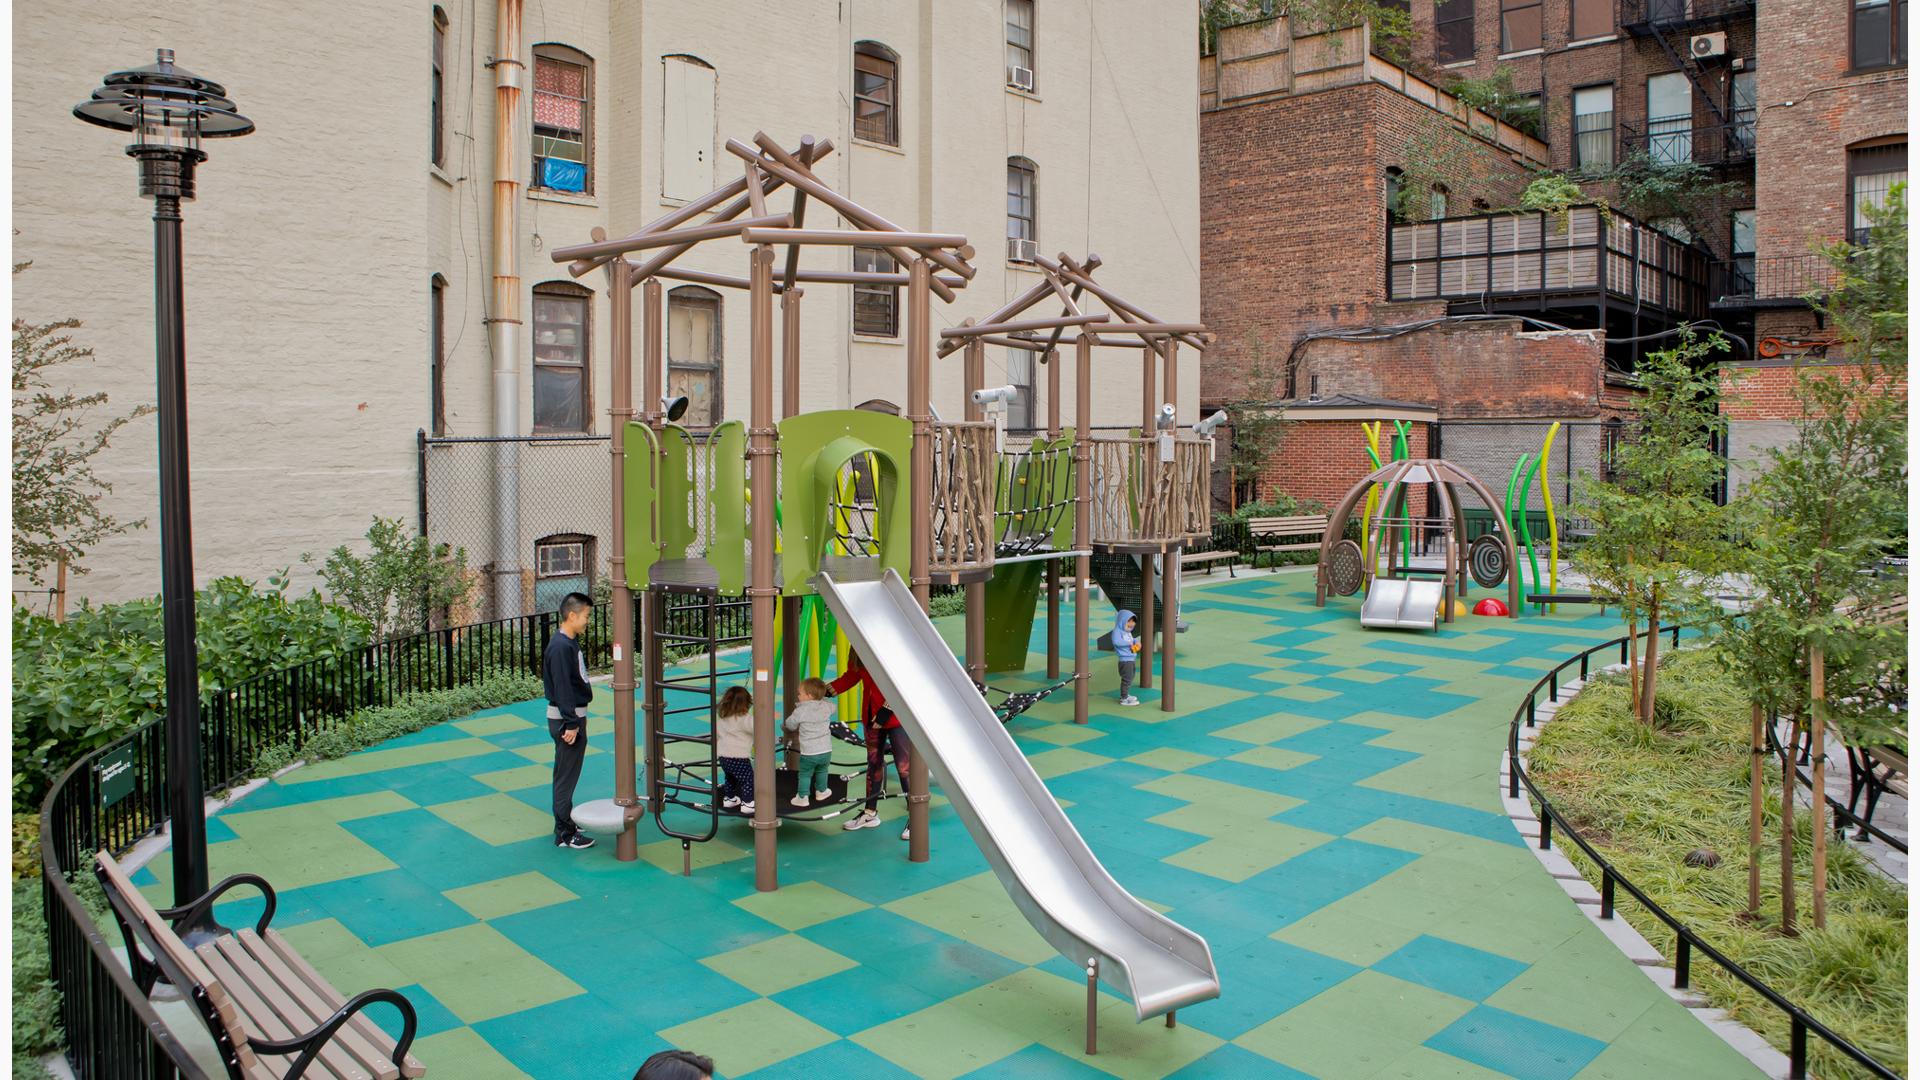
<point x="1481" y="370"/>
<point x="1764" y="390"/>
<point x="1323" y="459"/>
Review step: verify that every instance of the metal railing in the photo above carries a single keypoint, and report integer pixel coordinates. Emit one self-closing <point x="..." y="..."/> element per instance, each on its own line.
<point x="1672" y="142"/>
<point x="1547" y="256"/>
<point x="1774" y="277"/>
<point x="1686" y="941"/>
<point x="1643" y="16"/>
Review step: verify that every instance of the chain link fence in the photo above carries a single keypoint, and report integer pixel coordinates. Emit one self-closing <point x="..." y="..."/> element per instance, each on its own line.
<point x="1489" y="449"/>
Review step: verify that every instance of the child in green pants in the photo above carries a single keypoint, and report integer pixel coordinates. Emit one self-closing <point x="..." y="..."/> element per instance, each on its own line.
<point x="809" y="723"/>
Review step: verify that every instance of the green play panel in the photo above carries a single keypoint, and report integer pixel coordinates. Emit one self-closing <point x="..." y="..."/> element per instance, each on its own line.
<point x="1322" y="808"/>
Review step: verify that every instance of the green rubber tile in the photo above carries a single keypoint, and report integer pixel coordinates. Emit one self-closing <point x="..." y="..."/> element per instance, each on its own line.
<point x="1241" y="853"/>
<point x="1323" y="1036"/>
<point x="1063" y="760"/>
<point x="280" y="844"/>
<point x="495" y="819"/>
<point x="526" y="776"/>
<point x="462" y="1052"/>
<point x="1129" y="1048"/>
<point x="510" y="895"/>
<point x="1068" y="734"/>
<point x="478" y="973"/>
<point x="1273" y="757"/>
<point x="1426" y="1063"/>
<point x="668" y="856"/>
<point x="399" y="757"/>
<point x="493" y="724"/>
<point x="1217" y="798"/>
<point x="543" y="752"/>
<point x="1305" y="693"/>
<point x="798" y="906"/>
<point x="1429" y="840"/>
<point x="1270" y="728"/>
<point x="1170" y="759"/>
<point x="777" y="964"/>
<point x="342" y="957"/>
<point x="1362" y="929"/>
<point x="966" y="910"/>
<point x="970" y="1031"/>
<point x="748" y="1037"/>
<point x="1668" y="1041"/>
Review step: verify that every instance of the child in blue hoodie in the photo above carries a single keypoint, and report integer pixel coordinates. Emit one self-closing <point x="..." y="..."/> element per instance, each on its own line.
<point x="1126" y="648"/>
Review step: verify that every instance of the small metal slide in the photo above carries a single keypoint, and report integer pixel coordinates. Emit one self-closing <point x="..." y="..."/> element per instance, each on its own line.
<point x="1039" y="857"/>
<point x="1402" y="603"/>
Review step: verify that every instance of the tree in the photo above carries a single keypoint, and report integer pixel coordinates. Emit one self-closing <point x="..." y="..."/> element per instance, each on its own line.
<point x="1815" y="645"/>
<point x="398" y="582"/>
<point x="1660" y="536"/>
<point x="1258" y="427"/>
<point x="57" y="433"/>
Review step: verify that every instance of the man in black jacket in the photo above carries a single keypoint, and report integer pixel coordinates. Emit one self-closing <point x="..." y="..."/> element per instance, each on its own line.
<point x="563" y="671"/>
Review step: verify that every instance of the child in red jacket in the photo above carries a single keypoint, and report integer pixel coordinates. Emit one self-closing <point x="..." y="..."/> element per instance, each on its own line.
<point x="883" y="732"/>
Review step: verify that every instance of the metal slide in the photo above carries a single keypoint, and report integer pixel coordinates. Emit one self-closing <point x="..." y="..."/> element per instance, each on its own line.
<point x="1402" y="604"/>
<point x="1040" y="858"/>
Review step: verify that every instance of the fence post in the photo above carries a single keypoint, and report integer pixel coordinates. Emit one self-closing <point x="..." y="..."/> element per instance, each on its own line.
<point x="1682" y="961"/>
<point x="1606" y="894"/>
<point x="1797" y="1050"/>
<point x="1546" y="828"/>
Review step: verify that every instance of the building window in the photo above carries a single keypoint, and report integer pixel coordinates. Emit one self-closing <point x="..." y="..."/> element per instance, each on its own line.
<point x="693" y="353"/>
<point x="1593" y="127"/>
<point x="560" y="384"/>
<point x="876" y="308"/>
<point x="1871" y="173"/>
<point x="1453" y="31"/>
<point x="875" y="93"/>
<point x="1670" y="118"/>
<point x="1396" y="194"/>
<point x="439" y="87"/>
<point x="1519" y="25"/>
<point x="1592" y="19"/>
<point x="1020" y="372"/>
<point x="1879" y="33"/>
<point x="1744" y="98"/>
<point x="437" y="348"/>
<point x="1437" y="202"/>
<point x="1020" y="43"/>
<point x="561" y="565"/>
<point x="562" y="119"/>
<point x="1022" y="206"/>
<point x="1742" y="250"/>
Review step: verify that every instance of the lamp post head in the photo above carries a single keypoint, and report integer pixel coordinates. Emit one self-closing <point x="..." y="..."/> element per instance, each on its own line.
<point x="169" y="110"/>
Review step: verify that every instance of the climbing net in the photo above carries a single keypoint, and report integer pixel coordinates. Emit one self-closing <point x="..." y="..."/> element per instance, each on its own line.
<point x="1035" y="492"/>
<point x="853" y="509"/>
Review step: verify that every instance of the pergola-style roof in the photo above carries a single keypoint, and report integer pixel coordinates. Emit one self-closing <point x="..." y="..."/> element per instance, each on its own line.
<point x="1070" y="281"/>
<point x="766" y="167"/>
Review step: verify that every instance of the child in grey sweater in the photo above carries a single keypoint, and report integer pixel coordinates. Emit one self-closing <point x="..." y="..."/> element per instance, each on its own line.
<point x="809" y="722"/>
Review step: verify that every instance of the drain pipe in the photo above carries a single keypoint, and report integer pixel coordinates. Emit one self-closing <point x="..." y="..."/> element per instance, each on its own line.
<point x="509" y="74"/>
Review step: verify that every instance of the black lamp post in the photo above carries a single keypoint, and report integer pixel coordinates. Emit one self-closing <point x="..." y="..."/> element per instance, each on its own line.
<point x="169" y="110"/>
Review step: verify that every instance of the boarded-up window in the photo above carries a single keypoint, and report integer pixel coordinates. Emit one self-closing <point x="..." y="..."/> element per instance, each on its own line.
<point x="560" y="385"/>
<point x="1453" y="31"/>
<point x="875" y="93"/>
<point x="687" y="101"/>
<point x="1592" y="19"/>
<point x="693" y="353"/>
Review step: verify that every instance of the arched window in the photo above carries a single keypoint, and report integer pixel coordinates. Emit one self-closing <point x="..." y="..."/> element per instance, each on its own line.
<point x="1023" y="201"/>
<point x="1437" y="202"/>
<point x="437" y="350"/>
<point x="876" y="93"/>
<point x="562" y="119"/>
<point x="562" y="313"/>
<point x="693" y="353"/>
<point x="439" y="150"/>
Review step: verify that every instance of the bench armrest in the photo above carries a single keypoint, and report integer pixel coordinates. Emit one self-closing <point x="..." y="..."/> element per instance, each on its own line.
<point x="187" y="914"/>
<point x="310" y="1044"/>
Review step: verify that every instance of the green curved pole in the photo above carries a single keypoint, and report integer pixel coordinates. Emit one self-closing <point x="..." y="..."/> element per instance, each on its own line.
<point x="1401" y="453"/>
<point x="1526" y="534"/>
<point x="1506" y="512"/>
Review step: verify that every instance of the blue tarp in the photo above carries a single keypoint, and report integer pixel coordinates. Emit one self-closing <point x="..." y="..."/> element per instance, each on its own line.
<point x="560" y="174"/>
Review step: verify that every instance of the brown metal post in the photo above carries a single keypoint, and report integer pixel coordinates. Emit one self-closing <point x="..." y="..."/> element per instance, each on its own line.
<point x="762" y="456"/>
<point x="652" y="356"/>
<point x="1093" y="1005"/>
<point x="974" y="374"/>
<point x="625" y="781"/>
<point x="920" y="412"/>
<point x="1082" y="516"/>
<point x="1170" y="562"/>
<point x="1052" y="362"/>
<point x="790" y="406"/>
<point x="1149" y="464"/>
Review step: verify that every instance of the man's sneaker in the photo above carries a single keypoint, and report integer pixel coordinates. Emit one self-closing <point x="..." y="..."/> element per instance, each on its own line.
<point x="823" y="795"/>
<point x="730" y="802"/>
<point x="746" y="807"/>
<point x="866" y="819"/>
<point x="800" y="801"/>
<point x="906" y="833"/>
<point x="576" y="841"/>
<point x="1129" y="700"/>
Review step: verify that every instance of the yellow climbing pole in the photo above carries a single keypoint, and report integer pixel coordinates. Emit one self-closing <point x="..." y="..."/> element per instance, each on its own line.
<point x="1553" y="527"/>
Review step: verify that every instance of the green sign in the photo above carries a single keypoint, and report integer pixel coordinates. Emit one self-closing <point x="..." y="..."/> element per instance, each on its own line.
<point x="115" y="770"/>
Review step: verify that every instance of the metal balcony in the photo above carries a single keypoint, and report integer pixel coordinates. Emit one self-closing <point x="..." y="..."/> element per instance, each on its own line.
<point x="1673" y="141"/>
<point x="1776" y="281"/>
<point x="1646" y="17"/>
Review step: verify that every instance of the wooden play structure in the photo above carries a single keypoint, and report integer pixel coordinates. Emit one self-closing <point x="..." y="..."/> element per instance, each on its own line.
<point x="700" y="520"/>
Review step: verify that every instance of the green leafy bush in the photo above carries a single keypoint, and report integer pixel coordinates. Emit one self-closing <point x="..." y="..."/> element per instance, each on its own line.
<point x="82" y="684"/>
<point x="398" y="581"/>
<point x="36" y="1004"/>
<point x="369" y="727"/>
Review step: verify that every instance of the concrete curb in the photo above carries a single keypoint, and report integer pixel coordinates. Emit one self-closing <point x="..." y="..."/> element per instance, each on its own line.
<point x="1586" y="899"/>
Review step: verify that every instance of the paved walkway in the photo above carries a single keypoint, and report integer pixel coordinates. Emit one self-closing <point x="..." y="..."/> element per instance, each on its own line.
<point x="1322" y="808"/>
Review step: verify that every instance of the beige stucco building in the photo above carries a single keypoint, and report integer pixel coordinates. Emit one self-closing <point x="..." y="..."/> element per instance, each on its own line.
<point x="329" y="256"/>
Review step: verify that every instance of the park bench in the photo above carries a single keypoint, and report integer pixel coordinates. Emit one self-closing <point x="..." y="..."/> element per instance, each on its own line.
<point x="1876" y="771"/>
<point x="1208" y="558"/>
<point x="271" y="1015"/>
<point x="1273" y="535"/>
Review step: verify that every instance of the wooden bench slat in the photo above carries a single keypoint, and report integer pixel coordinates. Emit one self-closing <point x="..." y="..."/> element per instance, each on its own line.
<point x="298" y="967"/>
<point x="265" y="1017"/>
<point x="305" y="1007"/>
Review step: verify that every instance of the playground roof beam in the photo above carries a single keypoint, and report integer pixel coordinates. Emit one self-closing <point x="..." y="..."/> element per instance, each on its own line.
<point x="1013" y="307"/>
<point x="732" y="210"/>
<point x="690" y="235"/>
<point x="799" y="219"/>
<point x="1023" y="324"/>
<point x="1069" y="271"/>
<point x="767" y="233"/>
<point x="1144" y="329"/>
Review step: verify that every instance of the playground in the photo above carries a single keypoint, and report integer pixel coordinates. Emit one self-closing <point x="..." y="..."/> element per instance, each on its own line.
<point x="1321" y="807"/>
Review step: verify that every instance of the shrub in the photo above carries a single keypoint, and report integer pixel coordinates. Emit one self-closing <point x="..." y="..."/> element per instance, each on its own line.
<point x="398" y="581"/>
<point x="369" y="727"/>
<point x="36" y="1004"/>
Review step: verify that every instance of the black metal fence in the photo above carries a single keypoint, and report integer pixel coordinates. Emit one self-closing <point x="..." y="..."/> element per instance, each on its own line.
<point x="1686" y="941"/>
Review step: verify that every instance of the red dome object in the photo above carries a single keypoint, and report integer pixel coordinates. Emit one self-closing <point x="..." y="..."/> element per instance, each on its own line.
<point x="1490" y="606"/>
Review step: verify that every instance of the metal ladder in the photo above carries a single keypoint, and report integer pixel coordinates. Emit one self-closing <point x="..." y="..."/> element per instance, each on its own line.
<point x="710" y="623"/>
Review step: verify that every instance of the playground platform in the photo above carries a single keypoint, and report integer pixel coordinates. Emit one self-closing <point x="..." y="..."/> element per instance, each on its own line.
<point x="1322" y="809"/>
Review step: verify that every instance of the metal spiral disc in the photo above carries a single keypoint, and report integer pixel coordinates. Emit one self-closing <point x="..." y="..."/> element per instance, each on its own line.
<point x="1487" y="560"/>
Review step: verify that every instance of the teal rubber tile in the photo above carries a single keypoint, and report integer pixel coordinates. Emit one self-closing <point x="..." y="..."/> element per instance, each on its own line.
<point x="1501" y="1041"/>
<point x="1455" y="969"/>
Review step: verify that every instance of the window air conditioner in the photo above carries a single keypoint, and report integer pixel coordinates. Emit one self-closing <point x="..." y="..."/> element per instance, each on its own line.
<point x="1707" y="46"/>
<point x="1022" y="251"/>
<point x="1020" y="78"/>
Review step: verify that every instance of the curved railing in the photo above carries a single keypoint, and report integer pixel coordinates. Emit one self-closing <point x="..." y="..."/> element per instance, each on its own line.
<point x="1686" y="941"/>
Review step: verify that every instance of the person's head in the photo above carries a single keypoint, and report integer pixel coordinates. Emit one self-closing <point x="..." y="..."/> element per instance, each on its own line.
<point x="575" y="610"/>
<point x="813" y="689"/>
<point x="736" y="701"/>
<point x="1132" y="622"/>
<point x="676" y="1065"/>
